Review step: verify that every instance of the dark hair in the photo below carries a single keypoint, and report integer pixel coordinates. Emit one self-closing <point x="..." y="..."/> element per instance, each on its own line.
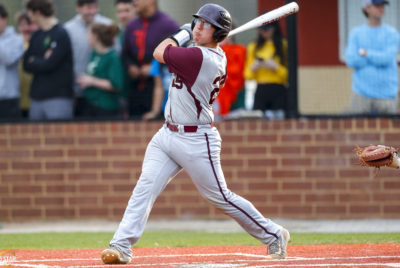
<point x="123" y="1"/>
<point x="45" y="7"/>
<point x="105" y="33"/>
<point x="80" y="3"/>
<point x="22" y="16"/>
<point x="277" y="39"/>
<point x="3" y="12"/>
<point x="365" y="13"/>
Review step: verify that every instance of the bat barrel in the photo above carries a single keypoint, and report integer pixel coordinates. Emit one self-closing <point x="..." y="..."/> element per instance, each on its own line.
<point x="269" y="17"/>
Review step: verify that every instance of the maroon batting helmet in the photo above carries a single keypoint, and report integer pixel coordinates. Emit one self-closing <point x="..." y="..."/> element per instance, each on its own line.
<point x="219" y="17"/>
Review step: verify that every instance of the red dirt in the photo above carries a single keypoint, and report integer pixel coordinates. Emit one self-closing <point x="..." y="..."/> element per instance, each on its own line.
<point x="377" y="255"/>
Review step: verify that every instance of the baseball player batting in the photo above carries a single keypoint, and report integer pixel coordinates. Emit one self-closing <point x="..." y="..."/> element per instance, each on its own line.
<point x="189" y="141"/>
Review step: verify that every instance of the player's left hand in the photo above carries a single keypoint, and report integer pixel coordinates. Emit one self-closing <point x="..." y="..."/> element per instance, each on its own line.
<point x="187" y="27"/>
<point x="184" y="35"/>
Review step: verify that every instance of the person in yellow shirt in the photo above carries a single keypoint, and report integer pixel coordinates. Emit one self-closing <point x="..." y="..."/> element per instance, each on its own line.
<point x="266" y="62"/>
<point x="25" y="27"/>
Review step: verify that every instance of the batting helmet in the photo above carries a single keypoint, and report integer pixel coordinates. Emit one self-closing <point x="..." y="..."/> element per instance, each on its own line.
<point x="219" y="17"/>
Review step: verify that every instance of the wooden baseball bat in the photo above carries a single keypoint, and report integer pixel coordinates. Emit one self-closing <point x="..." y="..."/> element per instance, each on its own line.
<point x="266" y="18"/>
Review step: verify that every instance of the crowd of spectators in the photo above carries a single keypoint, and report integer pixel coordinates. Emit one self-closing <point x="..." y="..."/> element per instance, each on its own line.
<point x="93" y="67"/>
<point x="88" y="67"/>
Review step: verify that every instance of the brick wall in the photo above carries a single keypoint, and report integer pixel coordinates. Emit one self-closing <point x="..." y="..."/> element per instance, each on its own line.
<point x="288" y="169"/>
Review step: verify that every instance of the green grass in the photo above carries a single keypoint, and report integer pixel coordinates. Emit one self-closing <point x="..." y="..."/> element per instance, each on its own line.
<point x="181" y="239"/>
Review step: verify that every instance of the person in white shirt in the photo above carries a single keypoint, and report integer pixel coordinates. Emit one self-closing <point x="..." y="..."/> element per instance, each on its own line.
<point x="11" y="51"/>
<point x="77" y="28"/>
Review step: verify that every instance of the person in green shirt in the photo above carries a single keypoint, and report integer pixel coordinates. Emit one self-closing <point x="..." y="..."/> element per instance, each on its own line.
<point x="104" y="79"/>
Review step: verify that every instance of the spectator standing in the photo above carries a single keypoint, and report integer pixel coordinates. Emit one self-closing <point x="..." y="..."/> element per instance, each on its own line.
<point x="125" y="12"/>
<point x="49" y="58"/>
<point x="77" y="27"/>
<point x="142" y="36"/>
<point x="26" y="29"/>
<point x="11" y="50"/>
<point x="105" y="78"/>
<point x="266" y="62"/>
<point x="232" y="92"/>
<point x="371" y="52"/>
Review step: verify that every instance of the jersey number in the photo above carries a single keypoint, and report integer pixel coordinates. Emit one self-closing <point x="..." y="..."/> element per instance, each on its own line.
<point x="220" y="80"/>
<point x="177" y="83"/>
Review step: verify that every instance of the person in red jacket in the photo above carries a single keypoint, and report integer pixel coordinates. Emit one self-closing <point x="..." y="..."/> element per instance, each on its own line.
<point x="229" y="94"/>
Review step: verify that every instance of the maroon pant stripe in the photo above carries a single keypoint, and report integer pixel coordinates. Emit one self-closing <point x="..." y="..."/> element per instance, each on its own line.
<point x="226" y="200"/>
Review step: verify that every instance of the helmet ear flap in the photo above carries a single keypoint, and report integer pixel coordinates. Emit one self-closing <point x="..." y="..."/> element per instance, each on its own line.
<point x="219" y="35"/>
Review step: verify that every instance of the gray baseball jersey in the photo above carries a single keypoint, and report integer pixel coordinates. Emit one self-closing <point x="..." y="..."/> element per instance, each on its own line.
<point x="188" y="140"/>
<point x="198" y="73"/>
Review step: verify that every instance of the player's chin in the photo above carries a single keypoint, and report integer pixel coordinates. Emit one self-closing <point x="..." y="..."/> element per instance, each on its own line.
<point x="199" y="41"/>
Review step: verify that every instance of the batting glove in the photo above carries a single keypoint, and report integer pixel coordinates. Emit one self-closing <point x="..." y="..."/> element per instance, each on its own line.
<point x="183" y="36"/>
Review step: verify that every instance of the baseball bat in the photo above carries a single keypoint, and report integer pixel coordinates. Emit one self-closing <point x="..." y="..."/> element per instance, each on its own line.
<point x="268" y="17"/>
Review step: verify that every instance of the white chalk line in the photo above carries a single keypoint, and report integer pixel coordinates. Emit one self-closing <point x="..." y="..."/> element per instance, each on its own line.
<point x="24" y="263"/>
<point x="155" y="256"/>
<point x="331" y="265"/>
<point x="261" y="257"/>
<point x="213" y="265"/>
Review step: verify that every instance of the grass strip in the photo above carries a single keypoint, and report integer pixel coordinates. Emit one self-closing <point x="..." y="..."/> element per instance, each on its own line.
<point x="51" y="241"/>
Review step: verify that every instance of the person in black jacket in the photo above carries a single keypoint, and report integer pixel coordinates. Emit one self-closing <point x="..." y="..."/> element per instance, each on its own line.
<point x="49" y="59"/>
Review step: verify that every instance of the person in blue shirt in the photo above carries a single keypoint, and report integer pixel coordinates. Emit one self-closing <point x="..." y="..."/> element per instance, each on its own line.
<point x="371" y="51"/>
<point x="162" y="79"/>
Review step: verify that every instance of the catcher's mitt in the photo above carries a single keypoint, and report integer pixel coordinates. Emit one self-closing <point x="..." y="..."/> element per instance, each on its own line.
<point x="378" y="156"/>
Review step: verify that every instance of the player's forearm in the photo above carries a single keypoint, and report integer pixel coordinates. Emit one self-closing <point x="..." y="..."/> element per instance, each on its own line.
<point x="181" y="38"/>
<point x="159" y="51"/>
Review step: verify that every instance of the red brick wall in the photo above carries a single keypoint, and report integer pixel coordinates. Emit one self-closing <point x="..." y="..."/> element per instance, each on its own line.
<point x="288" y="169"/>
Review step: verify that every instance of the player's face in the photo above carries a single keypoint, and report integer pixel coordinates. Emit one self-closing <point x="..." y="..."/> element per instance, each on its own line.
<point x="203" y="32"/>
<point x="88" y="11"/>
<point x="125" y="12"/>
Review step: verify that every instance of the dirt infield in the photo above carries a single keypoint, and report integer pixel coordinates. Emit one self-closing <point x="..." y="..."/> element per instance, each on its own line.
<point x="378" y="255"/>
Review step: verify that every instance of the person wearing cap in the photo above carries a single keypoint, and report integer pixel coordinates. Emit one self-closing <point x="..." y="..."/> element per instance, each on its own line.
<point x="371" y="51"/>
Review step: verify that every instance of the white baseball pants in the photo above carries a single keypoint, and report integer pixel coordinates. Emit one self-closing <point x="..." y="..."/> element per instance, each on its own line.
<point x="199" y="154"/>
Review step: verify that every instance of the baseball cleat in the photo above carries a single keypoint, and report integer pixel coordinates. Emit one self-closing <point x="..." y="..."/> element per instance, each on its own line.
<point x="277" y="249"/>
<point x="113" y="256"/>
